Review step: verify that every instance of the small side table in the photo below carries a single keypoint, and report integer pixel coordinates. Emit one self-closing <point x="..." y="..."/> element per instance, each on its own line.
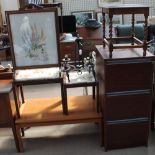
<point x="83" y="79"/>
<point x="121" y="9"/>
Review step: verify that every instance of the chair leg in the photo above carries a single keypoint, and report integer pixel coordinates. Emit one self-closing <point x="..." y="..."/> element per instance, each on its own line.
<point x="93" y="92"/>
<point x="16" y="138"/>
<point x="22" y="132"/>
<point x="85" y="91"/>
<point x="19" y="139"/>
<point x="22" y="94"/>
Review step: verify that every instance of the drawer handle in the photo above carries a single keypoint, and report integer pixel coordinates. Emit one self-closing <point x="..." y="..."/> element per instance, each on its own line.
<point x="68" y="46"/>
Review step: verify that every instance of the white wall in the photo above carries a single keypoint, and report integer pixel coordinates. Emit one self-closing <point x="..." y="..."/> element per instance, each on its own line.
<point x="83" y="5"/>
<point x="77" y="5"/>
<point x="150" y="3"/>
<point x="7" y="5"/>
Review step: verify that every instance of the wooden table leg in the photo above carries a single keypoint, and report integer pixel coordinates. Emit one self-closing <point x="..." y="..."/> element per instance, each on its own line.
<point x="145" y="35"/>
<point x="133" y="29"/>
<point x="64" y="99"/>
<point x="93" y="90"/>
<point x="110" y="36"/>
<point x="104" y="28"/>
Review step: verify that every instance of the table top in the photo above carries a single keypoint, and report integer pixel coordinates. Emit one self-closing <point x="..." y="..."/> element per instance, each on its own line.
<point x="125" y="9"/>
<point x="79" y="78"/>
<point x="129" y="53"/>
<point x="121" y="6"/>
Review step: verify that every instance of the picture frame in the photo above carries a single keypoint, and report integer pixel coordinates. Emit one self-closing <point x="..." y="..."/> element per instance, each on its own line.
<point x="108" y="2"/>
<point x="34" y="38"/>
<point x="82" y="17"/>
<point x="117" y="19"/>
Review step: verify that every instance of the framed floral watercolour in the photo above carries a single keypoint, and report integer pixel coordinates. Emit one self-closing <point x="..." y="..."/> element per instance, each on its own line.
<point x="34" y="37"/>
<point x="108" y="2"/>
<point x="82" y="17"/>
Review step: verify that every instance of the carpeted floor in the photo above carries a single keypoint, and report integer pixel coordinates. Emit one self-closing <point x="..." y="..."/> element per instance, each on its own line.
<point x="74" y="139"/>
<point x="79" y="139"/>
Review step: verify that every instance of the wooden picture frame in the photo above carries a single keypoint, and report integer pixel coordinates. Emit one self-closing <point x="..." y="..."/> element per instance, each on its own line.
<point x="117" y="19"/>
<point x="34" y="38"/>
<point x="102" y="3"/>
<point x="82" y="17"/>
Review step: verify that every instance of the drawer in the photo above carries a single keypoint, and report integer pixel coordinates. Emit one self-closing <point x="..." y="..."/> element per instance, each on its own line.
<point x="126" y="135"/>
<point x="124" y="77"/>
<point x="68" y="46"/>
<point x="128" y="106"/>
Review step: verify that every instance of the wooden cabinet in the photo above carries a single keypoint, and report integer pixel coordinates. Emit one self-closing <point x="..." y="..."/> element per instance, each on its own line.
<point x="68" y="48"/>
<point x="7" y="107"/>
<point x="126" y="96"/>
<point x="91" y="38"/>
<point x="89" y="45"/>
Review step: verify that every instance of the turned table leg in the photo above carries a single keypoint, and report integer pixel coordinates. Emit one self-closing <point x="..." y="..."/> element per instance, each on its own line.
<point x="110" y="36"/>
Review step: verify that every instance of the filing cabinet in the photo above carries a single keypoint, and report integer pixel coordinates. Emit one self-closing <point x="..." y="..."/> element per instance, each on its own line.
<point x="126" y="92"/>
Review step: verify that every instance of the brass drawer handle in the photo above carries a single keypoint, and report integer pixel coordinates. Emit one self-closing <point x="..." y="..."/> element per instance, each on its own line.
<point x="68" y="46"/>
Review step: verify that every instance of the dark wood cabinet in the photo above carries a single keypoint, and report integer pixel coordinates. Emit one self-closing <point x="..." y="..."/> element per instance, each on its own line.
<point x="68" y="48"/>
<point x="7" y="105"/>
<point x="91" y="38"/>
<point x="5" y="113"/>
<point x="7" y="108"/>
<point x="89" y="45"/>
<point x="125" y="96"/>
